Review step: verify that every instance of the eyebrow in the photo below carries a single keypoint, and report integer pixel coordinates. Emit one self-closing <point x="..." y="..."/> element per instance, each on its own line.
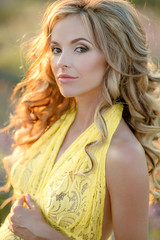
<point x="73" y="41"/>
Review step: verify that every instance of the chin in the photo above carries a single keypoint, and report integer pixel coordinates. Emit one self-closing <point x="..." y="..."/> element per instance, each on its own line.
<point x="67" y="94"/>
<point x="70" y="92"/>
<point x="74" y="92"/>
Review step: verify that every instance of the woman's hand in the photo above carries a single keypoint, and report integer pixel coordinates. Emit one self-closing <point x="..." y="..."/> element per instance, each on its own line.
<point x="26" y="223"/>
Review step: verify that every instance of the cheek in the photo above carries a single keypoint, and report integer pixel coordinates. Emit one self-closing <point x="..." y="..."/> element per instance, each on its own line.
<point x="53" y="65"/>
<point x="94" y="66"/>
<point x="54" y="69"/>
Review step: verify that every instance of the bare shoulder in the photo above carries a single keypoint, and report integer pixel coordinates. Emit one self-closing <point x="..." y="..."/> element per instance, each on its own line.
<point x="125" y="153"/>
<point x="128" y="184"/>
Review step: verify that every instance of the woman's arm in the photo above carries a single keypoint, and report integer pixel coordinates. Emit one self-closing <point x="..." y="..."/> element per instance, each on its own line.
<point x="29" y="223"/>
<point x="128" y="184"/>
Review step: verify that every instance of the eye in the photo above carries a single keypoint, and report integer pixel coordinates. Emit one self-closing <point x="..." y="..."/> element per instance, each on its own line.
<point x="55" y="50"/>
<point x="82" y="49"/>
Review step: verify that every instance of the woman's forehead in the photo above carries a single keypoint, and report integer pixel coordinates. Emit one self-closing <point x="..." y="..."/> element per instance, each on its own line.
<point x="71" y="24"/>
<point x="70" y="28"/>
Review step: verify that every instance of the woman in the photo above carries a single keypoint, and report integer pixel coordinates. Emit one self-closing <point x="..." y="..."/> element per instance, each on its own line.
<point x="84" y="123"/>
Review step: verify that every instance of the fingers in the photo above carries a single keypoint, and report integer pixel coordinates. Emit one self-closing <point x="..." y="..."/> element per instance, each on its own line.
<point x="22" y="201"/>
<point x="30" y="202"/>
<point x="19" y="202"/>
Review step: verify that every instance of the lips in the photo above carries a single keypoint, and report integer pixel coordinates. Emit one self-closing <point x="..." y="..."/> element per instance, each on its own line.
<point x="64" y="78"/>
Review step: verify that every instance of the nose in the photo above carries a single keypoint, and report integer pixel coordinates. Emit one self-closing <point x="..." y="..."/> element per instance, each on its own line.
<point x="64" y="60"/>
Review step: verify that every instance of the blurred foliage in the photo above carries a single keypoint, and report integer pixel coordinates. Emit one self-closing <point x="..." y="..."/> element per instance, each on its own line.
<point x="150" y="3"/>
<point x="19" y="21"/>
<point x="153" y="4"/>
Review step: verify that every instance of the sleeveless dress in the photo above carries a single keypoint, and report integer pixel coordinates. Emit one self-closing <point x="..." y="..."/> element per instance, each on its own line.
<point x="71" y="202"/>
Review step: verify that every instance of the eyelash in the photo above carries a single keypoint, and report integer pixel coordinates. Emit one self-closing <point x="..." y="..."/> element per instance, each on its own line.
<point x="84" y="48"/>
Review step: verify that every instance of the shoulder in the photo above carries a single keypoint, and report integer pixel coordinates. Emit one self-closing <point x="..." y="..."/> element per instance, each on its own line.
<point x="126" y="156"/>
<point x="125" y="149"/>
<point x="127" y="182"/>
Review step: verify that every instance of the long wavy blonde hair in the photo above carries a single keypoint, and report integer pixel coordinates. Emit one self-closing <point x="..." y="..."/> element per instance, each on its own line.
<point x="116" y="30"/>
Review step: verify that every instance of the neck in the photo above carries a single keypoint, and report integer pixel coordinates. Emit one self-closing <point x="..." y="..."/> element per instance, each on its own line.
<point x="86" y="106"/>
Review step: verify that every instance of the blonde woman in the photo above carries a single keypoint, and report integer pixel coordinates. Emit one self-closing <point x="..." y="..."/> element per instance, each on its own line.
<point x="84" y="126"/>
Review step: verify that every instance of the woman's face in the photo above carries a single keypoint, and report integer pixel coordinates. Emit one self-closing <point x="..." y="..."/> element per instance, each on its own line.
<point x="75" y="55"/>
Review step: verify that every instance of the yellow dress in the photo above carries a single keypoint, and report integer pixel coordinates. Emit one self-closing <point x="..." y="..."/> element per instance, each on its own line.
<point x="71" y="203"/>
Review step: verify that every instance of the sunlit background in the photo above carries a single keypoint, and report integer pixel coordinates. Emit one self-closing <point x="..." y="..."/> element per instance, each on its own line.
<point x="19" y="21"/>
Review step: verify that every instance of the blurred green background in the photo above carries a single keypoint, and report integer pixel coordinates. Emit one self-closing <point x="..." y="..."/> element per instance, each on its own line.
<point x="19" y="21"/>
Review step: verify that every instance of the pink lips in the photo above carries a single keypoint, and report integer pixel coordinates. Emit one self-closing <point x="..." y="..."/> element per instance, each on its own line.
<point x="64" y="78"/>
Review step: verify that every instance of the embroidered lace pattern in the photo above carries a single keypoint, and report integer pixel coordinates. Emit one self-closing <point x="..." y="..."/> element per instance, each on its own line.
<point x="71" y="203"/>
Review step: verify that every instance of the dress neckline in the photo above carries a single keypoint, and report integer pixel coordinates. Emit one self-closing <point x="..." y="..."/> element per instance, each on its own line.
<point x="70" y="117"/>
<point x="68" y="120"/>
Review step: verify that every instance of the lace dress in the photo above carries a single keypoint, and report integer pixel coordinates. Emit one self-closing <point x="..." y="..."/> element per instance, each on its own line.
<point x="72" y="203"/>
